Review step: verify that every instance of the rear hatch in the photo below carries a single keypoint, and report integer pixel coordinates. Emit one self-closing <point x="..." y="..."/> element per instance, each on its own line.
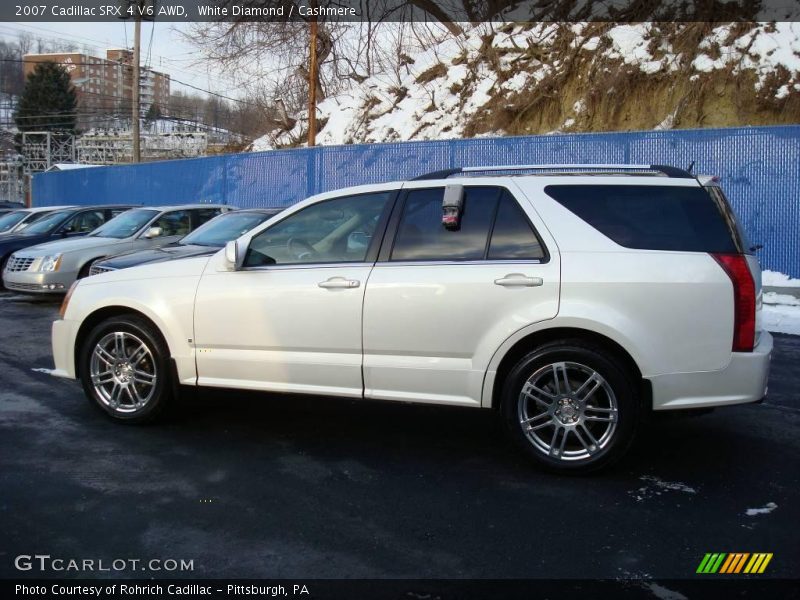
<point x="680" y="220"/>
<point x="746" y="252"/>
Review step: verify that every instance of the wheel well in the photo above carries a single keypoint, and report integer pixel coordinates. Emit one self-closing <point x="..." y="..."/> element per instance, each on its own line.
<point x="83" y="268"/>
<point x="102" y="314"/>
<point x="534" y="340"/>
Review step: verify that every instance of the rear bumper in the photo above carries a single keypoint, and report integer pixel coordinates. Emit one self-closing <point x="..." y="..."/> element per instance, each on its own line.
<point x="744" y="380"/>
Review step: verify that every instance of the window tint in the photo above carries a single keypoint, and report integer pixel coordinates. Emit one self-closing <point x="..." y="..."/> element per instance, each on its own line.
<point x="734" y="226"/>
<point x="512" y="236"/>
<point x="177" y="222"/>
<point x="227" y="227"/>
<point x="332" y="231"/>
<point x="203" y="215"/>
<point x="126" y="224"/>
<point x="48" y="223"/>
<point x="421" y="235"/>
<point x="649" y="217"/>
<point x="9" y="220"/>
<point x="86" y="221"/>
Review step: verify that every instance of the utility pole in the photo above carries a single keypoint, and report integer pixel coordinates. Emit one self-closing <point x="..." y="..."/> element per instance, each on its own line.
<point x="137" y="42"/>
<point x="312" y="85"/>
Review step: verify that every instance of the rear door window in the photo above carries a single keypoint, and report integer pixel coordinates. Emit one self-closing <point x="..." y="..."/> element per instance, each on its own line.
<point x="421" y="236"/>
<point x="513" y="237"/>
<point x="204" y="215"/>
<point x="650" y="217"/>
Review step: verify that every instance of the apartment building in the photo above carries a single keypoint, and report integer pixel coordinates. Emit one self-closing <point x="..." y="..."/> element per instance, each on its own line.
<point x="104" y="85"/>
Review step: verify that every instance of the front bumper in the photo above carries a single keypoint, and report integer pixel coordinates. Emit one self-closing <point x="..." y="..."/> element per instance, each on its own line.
<point x="743" y="381"/>
<point x="36" y="282"/>
<point x="64" y="333"/>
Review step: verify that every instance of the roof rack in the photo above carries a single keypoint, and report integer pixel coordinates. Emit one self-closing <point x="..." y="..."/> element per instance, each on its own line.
<point x="571" y="169"/>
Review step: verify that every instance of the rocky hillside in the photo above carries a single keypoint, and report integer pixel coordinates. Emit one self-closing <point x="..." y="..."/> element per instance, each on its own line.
<point x="558" y="77"/>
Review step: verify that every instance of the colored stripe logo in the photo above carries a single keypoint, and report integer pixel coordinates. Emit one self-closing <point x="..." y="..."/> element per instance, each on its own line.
<point x="734" y="562"/>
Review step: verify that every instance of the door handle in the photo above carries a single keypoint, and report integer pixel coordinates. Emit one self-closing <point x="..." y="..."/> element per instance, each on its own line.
<point x="339" y="283"/>
<point x="518" y="280"/>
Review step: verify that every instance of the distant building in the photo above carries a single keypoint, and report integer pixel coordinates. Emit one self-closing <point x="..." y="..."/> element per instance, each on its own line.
<point x="104" y="84"/>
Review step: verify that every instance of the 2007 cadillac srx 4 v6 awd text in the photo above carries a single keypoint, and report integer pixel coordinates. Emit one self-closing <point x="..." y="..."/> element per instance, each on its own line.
<point x="572" y="298"/>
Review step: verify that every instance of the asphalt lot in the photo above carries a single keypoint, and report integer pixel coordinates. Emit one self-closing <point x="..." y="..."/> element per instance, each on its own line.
<point x="267" y="486"/>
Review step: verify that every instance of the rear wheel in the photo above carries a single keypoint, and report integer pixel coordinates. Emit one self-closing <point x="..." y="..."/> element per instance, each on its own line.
<point x="571" y="406"/>
<point x="124" y="368"/>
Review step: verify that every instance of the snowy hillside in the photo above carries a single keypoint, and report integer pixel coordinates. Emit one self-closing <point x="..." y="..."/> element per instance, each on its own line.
<point x="547" y="77"/>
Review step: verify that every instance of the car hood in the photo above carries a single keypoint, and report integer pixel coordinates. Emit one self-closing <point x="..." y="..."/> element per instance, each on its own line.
<point x="17" y="240"/>
<point x="171" y="252"/>
<point x="71" y="245"/>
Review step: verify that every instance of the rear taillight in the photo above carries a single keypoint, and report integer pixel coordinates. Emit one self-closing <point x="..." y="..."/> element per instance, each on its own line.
<point x="744" y="300"/>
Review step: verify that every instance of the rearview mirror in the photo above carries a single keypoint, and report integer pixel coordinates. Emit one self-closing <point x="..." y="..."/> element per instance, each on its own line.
<point x="154" y="232"/>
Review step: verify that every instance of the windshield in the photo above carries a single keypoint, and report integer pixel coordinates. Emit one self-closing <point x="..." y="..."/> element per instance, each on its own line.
<point x="223" y="229"/>
<point x="126" y="224"/>
<point x="48" y="223"/>
<point x="7" y="222"/>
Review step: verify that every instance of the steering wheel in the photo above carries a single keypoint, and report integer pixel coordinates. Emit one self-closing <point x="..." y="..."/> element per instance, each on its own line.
<point x="299" y="248"/>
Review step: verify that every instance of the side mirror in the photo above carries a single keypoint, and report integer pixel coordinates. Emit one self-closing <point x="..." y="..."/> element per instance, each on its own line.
<point x="153" y="232"/>
<point x="234" y="254"/>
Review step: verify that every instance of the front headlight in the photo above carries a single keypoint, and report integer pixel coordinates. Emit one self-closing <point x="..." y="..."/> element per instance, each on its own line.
<point x="50" y="263"/>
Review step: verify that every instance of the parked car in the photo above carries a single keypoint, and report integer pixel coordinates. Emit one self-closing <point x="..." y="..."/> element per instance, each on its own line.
<point x="54" y="266"/>
<point x="204" y="241"/>
<point x="11" y="205"/>
<point x="58" y="225"/>
<point x="572" y="299"/>
<point x="16" y="220"/>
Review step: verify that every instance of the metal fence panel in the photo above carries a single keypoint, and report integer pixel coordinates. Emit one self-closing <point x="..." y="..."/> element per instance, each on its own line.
<point x="759" y="167"/>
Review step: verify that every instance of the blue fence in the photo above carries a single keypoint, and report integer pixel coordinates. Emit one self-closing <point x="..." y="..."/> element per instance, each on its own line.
<point x="759" y="166"/>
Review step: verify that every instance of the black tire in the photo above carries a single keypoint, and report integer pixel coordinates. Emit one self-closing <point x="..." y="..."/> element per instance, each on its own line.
<point x="137" y="332"/>
<point x="3" y="263"/>
<point x="561" y="408"/>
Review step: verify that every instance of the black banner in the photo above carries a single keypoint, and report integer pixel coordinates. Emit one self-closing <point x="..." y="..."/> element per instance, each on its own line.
<point x="408" y="589"/>
<point x="401" y="10"/>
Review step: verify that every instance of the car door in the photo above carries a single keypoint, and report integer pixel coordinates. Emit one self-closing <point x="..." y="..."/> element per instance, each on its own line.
<point x="290" y="319"/>
<point x="440" y="302"/>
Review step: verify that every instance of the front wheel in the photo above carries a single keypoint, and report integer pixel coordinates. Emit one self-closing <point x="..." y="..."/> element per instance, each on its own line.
<point x="571" y="406"/>
<point x="124" y="368"/>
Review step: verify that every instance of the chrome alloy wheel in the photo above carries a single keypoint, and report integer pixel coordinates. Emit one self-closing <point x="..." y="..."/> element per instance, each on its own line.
<point x="568" y="411"/>
<point x="123" y="372"/>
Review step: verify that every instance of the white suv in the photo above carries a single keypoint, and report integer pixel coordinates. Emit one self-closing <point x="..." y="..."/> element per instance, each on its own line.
<point x="571" y="298"/>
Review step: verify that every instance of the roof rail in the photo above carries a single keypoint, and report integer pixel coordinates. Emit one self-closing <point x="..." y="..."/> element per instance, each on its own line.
<point x="673" y="172"/>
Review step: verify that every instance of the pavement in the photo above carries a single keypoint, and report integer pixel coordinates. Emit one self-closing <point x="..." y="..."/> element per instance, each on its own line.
<point x="248" y="485"/>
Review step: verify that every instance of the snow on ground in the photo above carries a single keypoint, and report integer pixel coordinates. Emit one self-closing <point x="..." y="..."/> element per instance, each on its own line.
<point x="655" y="486"/>
<point x="768" y="508"/>
<point x="776" y="279"/>
<point x="412" y="101"/>
<point x="781" y="319"/>
<point x="780" y="312"/>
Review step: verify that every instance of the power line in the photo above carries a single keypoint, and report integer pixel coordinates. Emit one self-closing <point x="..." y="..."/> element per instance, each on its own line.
<point x="150" y="45"/>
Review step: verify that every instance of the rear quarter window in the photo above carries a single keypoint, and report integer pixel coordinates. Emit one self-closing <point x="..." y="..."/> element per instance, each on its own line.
<point x="647" y="217"/>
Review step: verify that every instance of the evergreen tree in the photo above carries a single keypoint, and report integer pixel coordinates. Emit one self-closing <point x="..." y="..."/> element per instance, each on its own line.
<point x="153" y="113"/>
<point x="48" y="102"/>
